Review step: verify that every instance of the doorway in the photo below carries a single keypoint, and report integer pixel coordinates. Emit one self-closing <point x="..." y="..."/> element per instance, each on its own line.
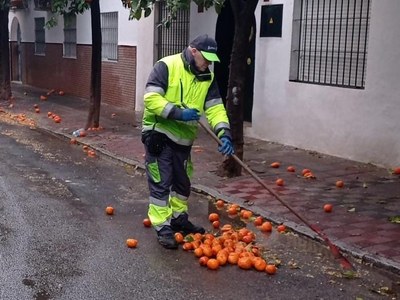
<point x="16" y="51"/>
<point x="19" y="56"/>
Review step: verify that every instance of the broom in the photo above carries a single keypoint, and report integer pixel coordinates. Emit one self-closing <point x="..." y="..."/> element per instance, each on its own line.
<point x="346" y="265"/>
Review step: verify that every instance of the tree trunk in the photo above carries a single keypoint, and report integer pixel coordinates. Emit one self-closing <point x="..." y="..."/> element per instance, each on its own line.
<point x="243" y="12"/>
<point x="5" y="85"/>
<point x="93" y="119"/>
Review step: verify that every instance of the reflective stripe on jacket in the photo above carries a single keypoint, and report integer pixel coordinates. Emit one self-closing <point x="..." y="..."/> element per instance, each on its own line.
<point x="183" y="86"/>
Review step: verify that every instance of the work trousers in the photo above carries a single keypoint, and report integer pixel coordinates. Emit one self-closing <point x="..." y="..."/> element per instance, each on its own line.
<point x="168" y="176"/>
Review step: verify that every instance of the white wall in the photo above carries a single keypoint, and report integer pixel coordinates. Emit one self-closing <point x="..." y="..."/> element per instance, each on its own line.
<point x="202" y="23"/>
<point x="357" y="124"/>
<point x="130" y="33"/>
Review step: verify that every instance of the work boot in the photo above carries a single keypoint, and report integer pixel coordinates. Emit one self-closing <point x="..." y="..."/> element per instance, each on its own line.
<point x="183" y="225"/>
<point x="166" y="237"/>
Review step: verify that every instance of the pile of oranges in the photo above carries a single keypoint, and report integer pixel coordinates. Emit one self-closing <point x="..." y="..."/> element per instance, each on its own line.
<point x="229" y="246"/>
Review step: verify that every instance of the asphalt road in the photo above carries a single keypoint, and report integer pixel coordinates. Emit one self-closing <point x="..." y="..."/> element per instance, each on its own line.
<point x="56" y="242"/>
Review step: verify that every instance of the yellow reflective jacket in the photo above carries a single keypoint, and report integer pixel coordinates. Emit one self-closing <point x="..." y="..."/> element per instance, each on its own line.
<point x="179" y="84"/>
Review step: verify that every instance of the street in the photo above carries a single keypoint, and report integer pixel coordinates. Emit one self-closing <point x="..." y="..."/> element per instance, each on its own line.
<point x="56" y="242"/>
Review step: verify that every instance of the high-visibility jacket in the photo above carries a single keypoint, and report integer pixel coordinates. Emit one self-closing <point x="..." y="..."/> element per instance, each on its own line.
<point x="183" y="86"/>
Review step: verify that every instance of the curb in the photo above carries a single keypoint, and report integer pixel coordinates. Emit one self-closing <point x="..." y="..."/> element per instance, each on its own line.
<point x="301" y="229"/>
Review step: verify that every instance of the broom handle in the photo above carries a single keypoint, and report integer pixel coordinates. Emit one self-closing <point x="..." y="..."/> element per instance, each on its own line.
<point x="334" y="249"/>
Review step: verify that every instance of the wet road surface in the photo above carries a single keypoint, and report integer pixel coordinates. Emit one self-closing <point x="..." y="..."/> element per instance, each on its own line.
<point x="56" y="242"/>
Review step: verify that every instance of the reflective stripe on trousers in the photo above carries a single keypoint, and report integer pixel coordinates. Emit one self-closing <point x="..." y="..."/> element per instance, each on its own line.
<point x="169" y="184"/>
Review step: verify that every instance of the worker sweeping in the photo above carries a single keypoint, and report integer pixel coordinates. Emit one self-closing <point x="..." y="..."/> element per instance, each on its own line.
<point x="179" y="90"/>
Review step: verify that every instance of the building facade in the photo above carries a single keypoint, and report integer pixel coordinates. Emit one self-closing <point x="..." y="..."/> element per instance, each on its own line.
<point x="323" y="73"/>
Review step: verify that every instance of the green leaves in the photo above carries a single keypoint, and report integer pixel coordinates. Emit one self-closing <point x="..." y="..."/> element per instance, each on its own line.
<point x="145" y="7"/>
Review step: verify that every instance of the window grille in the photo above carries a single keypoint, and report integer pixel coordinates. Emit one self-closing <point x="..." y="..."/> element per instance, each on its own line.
<point x="40" y="42"/>
<point x="175" y="38"/>
<point x="42" y="4"/>
<point x="109" y="35"/>
<point x="70" y="36"/>
<point x="329" y="42"/>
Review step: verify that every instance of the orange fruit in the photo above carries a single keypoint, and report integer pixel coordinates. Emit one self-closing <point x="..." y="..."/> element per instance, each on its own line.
<point x="222" y="258"/>
<point x="131" y="243"/>
<point x="281" y="228"/>
<point x="258" y="221"/>
<point x="215" y="224"/>
<point x="178" y="237"/>
<point x="215" y="249"/>
<point x="212" y="264"/>
<point x="396" y="171"/>
<point x="339" y="183"/>
<point x="280" y="182"/>
<point x="203" y="260"/>
<point x="220" y="203"/>
<point x="259" y="264"/>
<point x="213" y="217"/>
<point x="226" y="227"/>
<point x="245" y="263"/>
<point x="49" y="114"/>
<point x="305" y="171"/>
<point x="197" y="236"/>
<point x="246" y="214"/>
<point x="309" y="175"/>
<point x="187" y="246"/>
<point x="207" y="251"/>
<point x="208" y="236"/>
<point x="196" y="244"/>
<point x="328" y="207"/>
<point x="233" y="258"/>
<point x="270" y="269"/>
<point x="266" y="226"/>
<point x="275" y="165"/>
<point x="248" y="238"/>
<point x="232" y="210"/>
<point x="198" y="252"/>
<point x="291" y="169"/>
<point x="109" y="210"/>
<point x="91" y="153"/>
<point x="146" y="222"/>
<point x="236" y="206"/>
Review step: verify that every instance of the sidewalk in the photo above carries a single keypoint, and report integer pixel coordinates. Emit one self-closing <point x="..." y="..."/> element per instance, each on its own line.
<point x="359" y="224"/>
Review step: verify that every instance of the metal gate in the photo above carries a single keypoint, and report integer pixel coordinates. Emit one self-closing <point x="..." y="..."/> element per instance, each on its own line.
<point x="175" y="38"/>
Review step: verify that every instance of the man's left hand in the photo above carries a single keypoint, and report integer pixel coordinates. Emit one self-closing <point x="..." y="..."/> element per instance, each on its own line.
<point x="227" y="147"/>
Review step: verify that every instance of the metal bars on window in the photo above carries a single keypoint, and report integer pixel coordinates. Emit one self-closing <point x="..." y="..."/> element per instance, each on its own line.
<point x="175" y="38"/>
<point x="40" y="36"/>
<point x="330" y="44"/>
<point x="109" y="35"/>
<point x="70" y="36"/>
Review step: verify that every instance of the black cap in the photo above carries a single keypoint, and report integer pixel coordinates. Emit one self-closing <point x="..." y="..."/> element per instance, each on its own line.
<point x="207" y="46"/>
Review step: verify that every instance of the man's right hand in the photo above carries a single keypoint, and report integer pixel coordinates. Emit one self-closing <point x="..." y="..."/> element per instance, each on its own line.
<point x="190" y="114"/>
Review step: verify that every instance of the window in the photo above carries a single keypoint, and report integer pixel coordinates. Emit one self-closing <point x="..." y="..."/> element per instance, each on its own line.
<point x="40" y="42"/>
<point x="69" y="35"/>
<point x="175" y="38"/>
<point x="109" y="34"/>
<point x="329" y="42"/>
